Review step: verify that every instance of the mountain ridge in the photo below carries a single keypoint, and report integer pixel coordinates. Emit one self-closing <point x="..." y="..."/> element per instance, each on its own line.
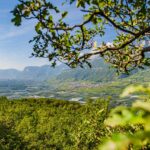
<point x="31" y="73"/>
<point x="100" y="72"/>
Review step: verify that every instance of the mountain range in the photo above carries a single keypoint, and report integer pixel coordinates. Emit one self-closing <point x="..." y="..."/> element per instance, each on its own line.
<point x="100" y="72"/>
<point x="31" y="73"/>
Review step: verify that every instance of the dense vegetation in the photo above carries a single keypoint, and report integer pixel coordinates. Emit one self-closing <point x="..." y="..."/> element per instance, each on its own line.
<point x="63" y="125"/>
<point x="135" y="120"/>
<point x="51" y="124"/>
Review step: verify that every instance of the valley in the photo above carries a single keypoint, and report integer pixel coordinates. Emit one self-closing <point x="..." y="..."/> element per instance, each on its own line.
<point x="73" y="85"/>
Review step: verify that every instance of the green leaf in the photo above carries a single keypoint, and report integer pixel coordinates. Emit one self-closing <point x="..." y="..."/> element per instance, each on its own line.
<point x="64" y="14"/>
<point x="17" y="20"/>
<point x="38" y="27"/>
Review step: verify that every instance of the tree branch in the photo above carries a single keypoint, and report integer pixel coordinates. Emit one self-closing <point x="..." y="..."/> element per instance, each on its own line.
<point x="101" y="13"/>
<point x="146" y="49"/>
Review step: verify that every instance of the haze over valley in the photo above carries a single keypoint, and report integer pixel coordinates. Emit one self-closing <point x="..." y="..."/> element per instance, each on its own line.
<point x="62" y="82"/>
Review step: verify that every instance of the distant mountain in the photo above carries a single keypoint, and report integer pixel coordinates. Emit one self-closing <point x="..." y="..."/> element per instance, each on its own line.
<point x="32" y="73"/>
<point x="141" y="76"/>
<point x="9" y="74"/>
<point x="41" y="73"/>
<point x="100" y="72"/>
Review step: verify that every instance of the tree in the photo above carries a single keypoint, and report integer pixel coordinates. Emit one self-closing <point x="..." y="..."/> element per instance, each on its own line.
<point x="74" y="45"/>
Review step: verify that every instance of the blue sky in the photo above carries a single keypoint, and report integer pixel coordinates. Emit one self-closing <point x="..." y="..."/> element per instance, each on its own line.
<point x="14" y="47"/>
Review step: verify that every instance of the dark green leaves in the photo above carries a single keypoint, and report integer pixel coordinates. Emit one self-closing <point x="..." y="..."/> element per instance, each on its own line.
<point x="17" y="20"/>
<point x="64" y="14"/>
<point x="17" y="17"/>
<point x="38" y="27"/>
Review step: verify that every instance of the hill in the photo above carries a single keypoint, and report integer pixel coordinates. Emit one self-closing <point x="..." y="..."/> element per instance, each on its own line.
<point x="100" y="72"/>
<point x="51" y="124"/>
<point x="69" y="84"/>
<point x="32" y="73"/>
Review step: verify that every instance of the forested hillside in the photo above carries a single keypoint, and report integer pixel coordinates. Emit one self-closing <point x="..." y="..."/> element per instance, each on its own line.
<point x="63" y="125"/>
<point x="51" y="124"/>
<point x="100" y="72"/>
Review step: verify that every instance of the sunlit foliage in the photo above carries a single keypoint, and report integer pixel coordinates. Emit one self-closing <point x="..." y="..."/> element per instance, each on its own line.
<point x="136" y="118"/>
<point x="51" y="124"/>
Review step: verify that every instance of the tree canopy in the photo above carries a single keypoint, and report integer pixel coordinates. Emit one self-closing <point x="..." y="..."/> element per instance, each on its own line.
<point x="57" y="40"/>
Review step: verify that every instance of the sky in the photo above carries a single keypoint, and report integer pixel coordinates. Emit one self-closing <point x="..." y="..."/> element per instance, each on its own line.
<point x="15" y="50"/>
<point x="14" y="47"/>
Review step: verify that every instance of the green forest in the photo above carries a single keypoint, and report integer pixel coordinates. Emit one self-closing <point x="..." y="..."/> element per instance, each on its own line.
<point x="51" y="124"/>
<point x="58" y="124"/>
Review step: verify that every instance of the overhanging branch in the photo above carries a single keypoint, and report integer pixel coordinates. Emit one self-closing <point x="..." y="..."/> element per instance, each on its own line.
<point x="146" y="49"/>
<point x="101" y="51"/>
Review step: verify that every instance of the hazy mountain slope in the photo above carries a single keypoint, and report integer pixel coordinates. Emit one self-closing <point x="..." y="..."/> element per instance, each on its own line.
<point x="32" y="73"/>
<point x="140" y="76"/>
<point x="41" y="73"/>
<point x="9" y="74"/>
<point x="100" y="72"/>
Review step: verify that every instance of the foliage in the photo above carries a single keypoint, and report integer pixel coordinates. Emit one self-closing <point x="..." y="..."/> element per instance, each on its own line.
<point x="58" y="124"/>
<point x="51" y="124"/>
<point x="74" y="45"/>
<point x="136" y="117"/>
